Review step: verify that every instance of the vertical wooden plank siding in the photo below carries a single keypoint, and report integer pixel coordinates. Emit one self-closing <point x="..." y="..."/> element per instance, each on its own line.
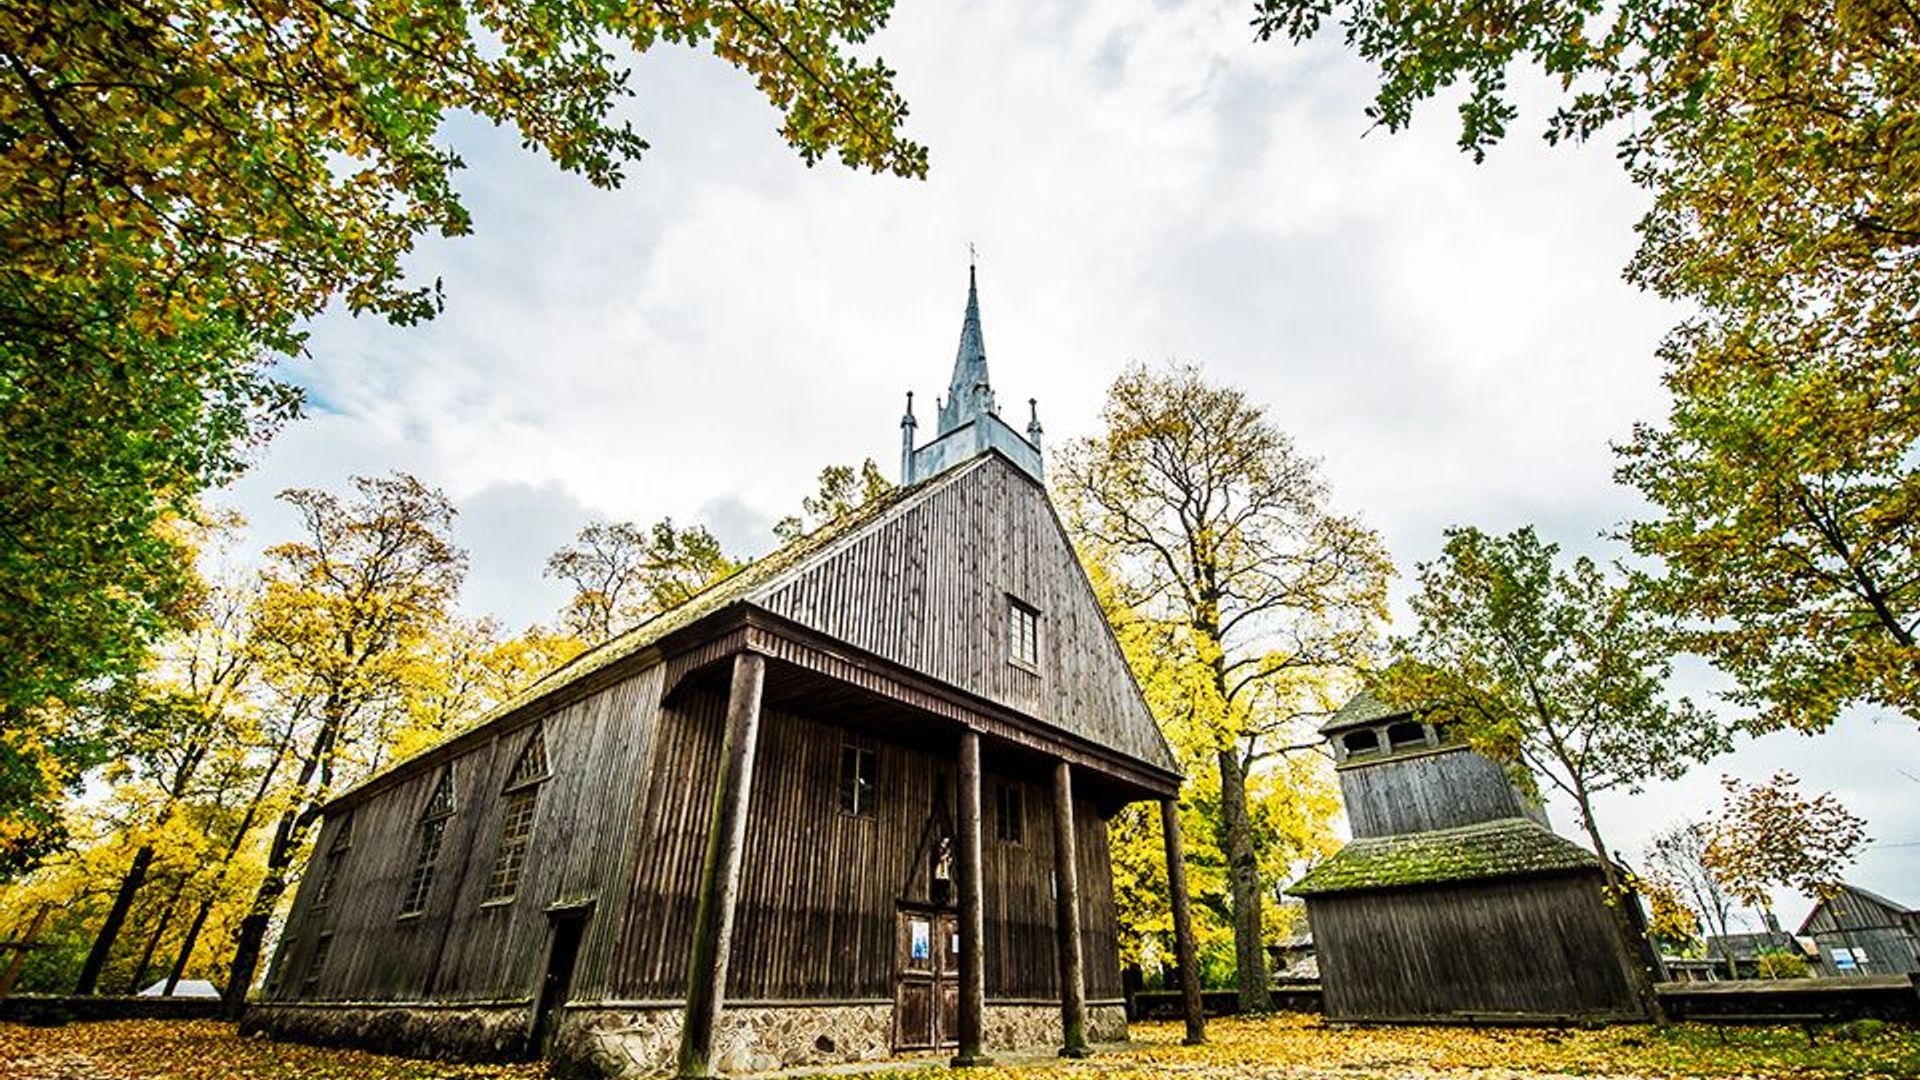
<point x="621" y="824"/>
<point x="968" y="547"/>
<point x="1473" y="948"/>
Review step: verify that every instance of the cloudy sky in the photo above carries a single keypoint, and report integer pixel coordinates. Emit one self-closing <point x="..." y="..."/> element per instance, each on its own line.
<point x="1143" y="181"/>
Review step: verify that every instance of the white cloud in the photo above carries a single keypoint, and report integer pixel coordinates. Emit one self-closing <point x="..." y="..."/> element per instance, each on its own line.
<point x="1143" y="181"/>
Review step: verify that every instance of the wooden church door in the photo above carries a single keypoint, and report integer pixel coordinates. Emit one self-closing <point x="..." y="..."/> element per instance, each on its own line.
<point x="926" y="1001"/>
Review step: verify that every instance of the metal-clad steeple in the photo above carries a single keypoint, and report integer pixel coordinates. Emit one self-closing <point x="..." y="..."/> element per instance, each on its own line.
<point x="969" y="394"/>
<point x="968" y="422"/>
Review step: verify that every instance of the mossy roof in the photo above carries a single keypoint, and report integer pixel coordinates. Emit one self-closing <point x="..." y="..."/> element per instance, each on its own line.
<point x="1510" y="847"/>
<point x="1362" y="709"/>
<point x="738" y="586"/>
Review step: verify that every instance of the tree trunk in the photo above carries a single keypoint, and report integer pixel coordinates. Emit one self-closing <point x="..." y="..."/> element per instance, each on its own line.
<point x="153" y="940"/>
<point x="239" y="839"/>
<point x="1643" y="961"/>
<point x="130" y="883"/>
<point x="1243" y="870"/>
<point x="252" y="935"/>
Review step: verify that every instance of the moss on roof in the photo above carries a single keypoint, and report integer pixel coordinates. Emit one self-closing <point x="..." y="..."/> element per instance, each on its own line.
<point x="1363" y="708"/>
<point x="1511" y="847"/>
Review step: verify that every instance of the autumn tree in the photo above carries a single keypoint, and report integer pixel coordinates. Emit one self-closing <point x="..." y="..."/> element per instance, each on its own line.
<point x="843" y="489"/>
<point x="1556" y="672"/>
<point x="1776" y="140"/>
<point x="188" y="708"/>
<point x="1219" y="533"/>
<point x="345" y="612"/>
<point x="622" y="575"/>
<point x="1672" y="922"/>
<point x="1770" y="834"/>
<point x="1676" y="861"/>
<point x="186" y="184"/>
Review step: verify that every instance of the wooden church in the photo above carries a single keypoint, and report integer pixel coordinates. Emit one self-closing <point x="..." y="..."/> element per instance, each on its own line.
<point x="847" y="803"/>
<point x="1455" y="902"/>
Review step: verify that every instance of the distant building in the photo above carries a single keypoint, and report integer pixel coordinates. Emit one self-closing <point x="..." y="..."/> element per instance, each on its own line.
<point x="1742" y="952"/>
<point x="1863" y="933"/>
<point x="1455" y="901"/>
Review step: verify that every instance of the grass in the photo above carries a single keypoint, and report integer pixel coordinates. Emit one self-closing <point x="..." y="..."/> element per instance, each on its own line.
<point x="1291" y="1047"/>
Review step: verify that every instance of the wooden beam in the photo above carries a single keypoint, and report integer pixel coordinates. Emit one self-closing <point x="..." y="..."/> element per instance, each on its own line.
<point x="1183" y="948"/>
<point x="1066" y="898"/>
<point x="720" y="873"/>
<point x="973" y="920"/>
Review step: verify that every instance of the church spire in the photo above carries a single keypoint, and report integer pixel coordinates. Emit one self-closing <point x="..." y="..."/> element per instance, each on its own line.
<point x="970" y="394"/>
<point x="968" y="422"/>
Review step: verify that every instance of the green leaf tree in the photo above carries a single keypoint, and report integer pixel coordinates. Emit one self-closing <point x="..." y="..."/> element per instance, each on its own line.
<point x="1218" y="533"/>
<point x="1778" y="140"/>
<point x="1555" y="672"/>
<point x="622" y="575"/>
<point x="843" y="489"/>
<point x="186" y="184"/>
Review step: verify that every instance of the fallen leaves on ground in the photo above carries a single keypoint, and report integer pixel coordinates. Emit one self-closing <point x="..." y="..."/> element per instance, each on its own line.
<point x="207" y="1050"/>
<point x="1286" y="1047"/>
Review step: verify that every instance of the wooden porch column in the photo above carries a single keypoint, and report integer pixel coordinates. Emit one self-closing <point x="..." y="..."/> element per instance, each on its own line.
<point x="720" y="872"/>
<point x="1183" y="948"/>
<point x="973" y="920"/>
<point x="1066" y="893"/>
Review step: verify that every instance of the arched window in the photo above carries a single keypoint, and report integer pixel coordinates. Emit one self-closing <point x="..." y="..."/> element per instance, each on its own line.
<point x="432" y="832"/>
<point x="517" y="805"/>
<point x="1364" y="741"/>
<point x="1406" y="733"/>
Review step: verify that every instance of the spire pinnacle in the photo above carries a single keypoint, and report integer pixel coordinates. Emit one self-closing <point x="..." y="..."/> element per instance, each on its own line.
<point x="970" y="394"/>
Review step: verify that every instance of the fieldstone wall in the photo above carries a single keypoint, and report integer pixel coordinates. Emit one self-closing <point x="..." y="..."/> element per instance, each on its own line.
<point x="450" y="1033"/>
<point x="747" y="1039"/>
<point x="1030" y="1028"/>
<point x="599" y="1041"/>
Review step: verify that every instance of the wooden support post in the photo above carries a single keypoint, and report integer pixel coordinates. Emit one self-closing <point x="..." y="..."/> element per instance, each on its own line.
<point x="1066" y="893"/>
<point x="720" y="873"/>
<point x="973" y="920"/>
<point x="1183" y="949"/>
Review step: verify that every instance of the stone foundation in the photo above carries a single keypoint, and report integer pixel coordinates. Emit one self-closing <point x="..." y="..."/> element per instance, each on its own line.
<point x="638" y="1040"/>
<point x="454" y="1032"/>
<point x="602" y="1042"/>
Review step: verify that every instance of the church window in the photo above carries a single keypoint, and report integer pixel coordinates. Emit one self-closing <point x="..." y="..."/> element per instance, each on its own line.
<point x="1009" y="818"/>
<point x="859" y="767"/>
<point x="1023" y="634"/>
<point x="432" y="833"/>
<point x="517" y="806"/>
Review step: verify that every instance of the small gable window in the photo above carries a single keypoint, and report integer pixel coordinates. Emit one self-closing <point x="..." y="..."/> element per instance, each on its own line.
<point x="1023" y="634"/>
<point x="517" y="806"/>
<point x="336" y="857"/>
<point x="1010" y="814"/>
<point x="1364" y="741"/>
<point x="859" y="767"/>
<point x="431" y="834"/>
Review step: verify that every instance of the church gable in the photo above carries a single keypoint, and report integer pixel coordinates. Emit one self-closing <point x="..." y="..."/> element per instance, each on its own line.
<point x="974" y="582"/>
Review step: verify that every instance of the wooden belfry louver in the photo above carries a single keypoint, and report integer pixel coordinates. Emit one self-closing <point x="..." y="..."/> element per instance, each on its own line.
<point x="851" y="800"/>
